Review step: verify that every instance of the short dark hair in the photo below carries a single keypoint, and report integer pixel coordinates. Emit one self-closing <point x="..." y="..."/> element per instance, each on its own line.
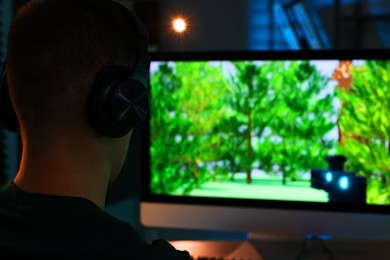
<point x="55" y="49"/>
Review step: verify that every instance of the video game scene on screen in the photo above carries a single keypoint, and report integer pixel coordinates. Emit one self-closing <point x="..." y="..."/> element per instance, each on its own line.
<point x="298" y="130"/>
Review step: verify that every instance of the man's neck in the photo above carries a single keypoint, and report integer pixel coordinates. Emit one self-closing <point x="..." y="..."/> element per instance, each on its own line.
<point x="64" y="172"/>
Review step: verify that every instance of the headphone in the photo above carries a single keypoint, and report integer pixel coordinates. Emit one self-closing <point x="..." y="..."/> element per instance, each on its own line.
<point x="118" y="100"/>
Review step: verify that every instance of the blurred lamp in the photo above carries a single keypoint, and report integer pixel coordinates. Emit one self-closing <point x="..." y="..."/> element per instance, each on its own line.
<point x="179" y="25"/>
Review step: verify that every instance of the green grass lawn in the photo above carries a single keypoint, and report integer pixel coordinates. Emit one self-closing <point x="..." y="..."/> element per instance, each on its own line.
<point x="268" y="188"/>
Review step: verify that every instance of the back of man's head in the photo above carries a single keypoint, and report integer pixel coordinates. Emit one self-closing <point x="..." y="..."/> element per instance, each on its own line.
<point x="55" y="49"/>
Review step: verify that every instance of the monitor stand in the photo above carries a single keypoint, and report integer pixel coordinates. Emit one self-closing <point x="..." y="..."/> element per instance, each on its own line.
<point x="314" y="248"/>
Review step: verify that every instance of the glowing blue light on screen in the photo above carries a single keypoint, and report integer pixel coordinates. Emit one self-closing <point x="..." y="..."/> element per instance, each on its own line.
<point x="344" y="183"/>
<point x="328" y="176"/>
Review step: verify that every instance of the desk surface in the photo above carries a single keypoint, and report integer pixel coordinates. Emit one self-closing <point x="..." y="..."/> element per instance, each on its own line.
<point x="270" y="249"/>
<point x="340" y="249"/>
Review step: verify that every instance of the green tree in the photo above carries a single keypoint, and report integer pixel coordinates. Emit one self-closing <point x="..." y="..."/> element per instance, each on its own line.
<point x="303" y="116"/>
<point x="365" y="124"/>
<point x="185" y="111"/>
<point x="250" y="114"/>
<point x="164" y="168"/>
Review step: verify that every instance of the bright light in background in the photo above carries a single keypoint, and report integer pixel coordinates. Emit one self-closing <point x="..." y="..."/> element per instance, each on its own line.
<point x="179" y="25"/>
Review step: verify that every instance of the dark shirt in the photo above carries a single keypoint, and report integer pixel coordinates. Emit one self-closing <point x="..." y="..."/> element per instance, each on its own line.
<point x="54" y="227"/>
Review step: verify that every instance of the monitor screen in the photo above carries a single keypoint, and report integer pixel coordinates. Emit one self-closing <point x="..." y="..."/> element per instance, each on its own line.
<point x="268" y="137"/>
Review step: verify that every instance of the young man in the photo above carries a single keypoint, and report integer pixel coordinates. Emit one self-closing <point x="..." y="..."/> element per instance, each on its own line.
<point x="71" y="66"/>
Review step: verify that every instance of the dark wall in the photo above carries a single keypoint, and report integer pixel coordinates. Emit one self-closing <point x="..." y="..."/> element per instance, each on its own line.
<point x="18" y="3"/>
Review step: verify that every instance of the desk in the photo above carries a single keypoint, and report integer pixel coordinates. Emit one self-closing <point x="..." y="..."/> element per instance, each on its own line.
<point x="341" y="249"/>
<point x="272" y="248"/>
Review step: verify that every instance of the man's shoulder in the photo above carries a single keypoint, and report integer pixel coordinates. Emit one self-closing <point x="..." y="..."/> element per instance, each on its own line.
<point x="71" y="227"/>
<point x="157" y="249"/>
<point x="127" y="239"/>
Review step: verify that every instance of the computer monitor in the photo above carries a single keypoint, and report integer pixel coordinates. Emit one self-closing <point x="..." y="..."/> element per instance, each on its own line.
<point x="276" y="143"/>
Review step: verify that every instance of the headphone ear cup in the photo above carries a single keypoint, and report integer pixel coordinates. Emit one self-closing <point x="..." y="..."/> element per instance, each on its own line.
<point x="117" y="102"/>
<point x="130" y="103"/>
<point x="8" y="118"/>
